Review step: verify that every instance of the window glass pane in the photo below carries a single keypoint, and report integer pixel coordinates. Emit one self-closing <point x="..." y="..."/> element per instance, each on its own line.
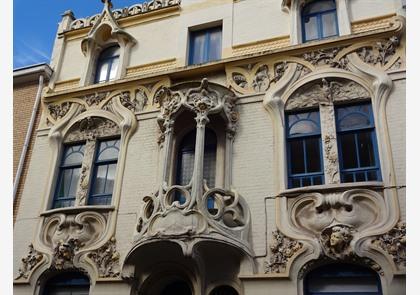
<point x="109" y="186"/>
<point x="319" y="6"/>
<point x="297" y="156"/>
<point x="296" y="182"/>
<point x="73" y="155"/>
<point x="313" y="155"/>
<point x="113" y="69"/>
<point x="303" y="123"/>
<point x="341" y="285"/>
<point x="348" y="177"/>
<point x="317" y="180"/>
<point x="347" y="145"/>
<point x="366" y="153"/>
<point x="306" y="181"/>
<point x="108" y="150"/>
<point x="311" y="28"/>
<point x="360" y="176"/>
<point x="353" y="117"/>
<point x="100" y="179"/>
<point x="197" y="50"/>
<point x="186" y="167"/>
<point x="215" y="46"/>
<point x="329" y="24"/>
<point x="102" y="72"/>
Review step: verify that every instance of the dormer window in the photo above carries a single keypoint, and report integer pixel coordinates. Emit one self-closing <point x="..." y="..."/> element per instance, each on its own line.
<point x="319" y="20"/>
<point x="107" y="65"/>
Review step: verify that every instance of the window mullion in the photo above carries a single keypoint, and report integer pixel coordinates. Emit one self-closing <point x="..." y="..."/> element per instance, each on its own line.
<point x="329" y="144"/>
<point x="85" y="173"/>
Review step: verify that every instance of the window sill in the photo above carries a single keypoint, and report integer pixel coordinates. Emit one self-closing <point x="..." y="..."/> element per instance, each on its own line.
<point x="78" y="209"/>
<point x="339" y="187"/>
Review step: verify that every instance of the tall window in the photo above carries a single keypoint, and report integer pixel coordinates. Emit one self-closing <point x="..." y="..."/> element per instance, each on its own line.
<point x="342" y="279"/>
<point x="357" y="145"/>
<point x="104" y="172"/>
<point x="304" y="149"/>
<point x="69" y="175"/>
<point x="107" y="65"/>
<point x="186" y="154"/>
<point x="319" y="20"/>
<point x="205" y="45"/>
<point x="71" y="283"/>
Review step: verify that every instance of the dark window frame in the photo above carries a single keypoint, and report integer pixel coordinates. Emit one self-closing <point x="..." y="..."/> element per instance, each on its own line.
<point x="300" y="176"/>
<point x="110" y="60"/>
<point x="206" y="58"/>
<point x="319" y="22"/>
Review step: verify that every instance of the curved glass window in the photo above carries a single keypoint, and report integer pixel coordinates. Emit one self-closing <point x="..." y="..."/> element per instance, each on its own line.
<point x="319" y="20"/>
<point x="104" y="172"/>
<point x="71" y="283"/>
<point x="69" y="175"/>
<point x="357" y="146"/>
<point x="186" y="154"/>
<point x="107" y="65"/>
<point x="224" y="290"/>
<point x="304" y="150"/>
<point x="340" y="279"/>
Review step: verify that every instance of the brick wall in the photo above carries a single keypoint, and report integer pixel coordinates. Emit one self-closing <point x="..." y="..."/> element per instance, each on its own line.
<point x="23" y="101"/>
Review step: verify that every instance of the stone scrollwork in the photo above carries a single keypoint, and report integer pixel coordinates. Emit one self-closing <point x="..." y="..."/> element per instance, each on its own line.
<point x="64" y="253"/>
<point x="379" y="53"/>
<point x="29" y="262"/>
<point x="91" y="128"/>
<point x="96" y="98"/>
<point x="326" y="57"/>
<point x="106" y="259"/>
<point x="58" y="111"/>
<point x="393" y="243"/>
<point x="282" y="250"/>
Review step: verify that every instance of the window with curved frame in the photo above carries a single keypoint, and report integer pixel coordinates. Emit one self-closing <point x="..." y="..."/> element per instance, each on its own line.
<point x="185" y="161"/>
<point x="319" y="20"/>
<point x="304" y="150"/>
<point x="70" y="283"/>
<point x="342" y="279"/>
<point x="68" y="177"/>
<point x="104" y="170"/>
<point x="357" y="146"/>
<point x="107" y="64"/>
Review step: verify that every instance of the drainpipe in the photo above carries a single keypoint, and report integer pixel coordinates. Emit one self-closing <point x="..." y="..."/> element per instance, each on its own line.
<point x="28" y="136"/>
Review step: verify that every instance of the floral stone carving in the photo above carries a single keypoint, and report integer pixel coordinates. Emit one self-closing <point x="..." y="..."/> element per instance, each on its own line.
<point x="96" y="98"/>
<point x="59" y="111"/>
<point x="106" y="259"/>
<point x="64" y="253"/>
<point x="393" y="242"/>
<point x="325" y="57"/>
<point x="29" y="262"/>
<point x="380" y="53"/>
<point x="336" y="240"/>
<point x="91" y="128"/>
<point x="282" y="249"/>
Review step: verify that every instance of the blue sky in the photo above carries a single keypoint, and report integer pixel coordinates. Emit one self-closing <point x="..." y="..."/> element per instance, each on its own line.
<point x="35" y="24"/>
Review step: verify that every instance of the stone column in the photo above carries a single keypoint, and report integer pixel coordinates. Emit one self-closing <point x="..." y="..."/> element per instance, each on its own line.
<point x="329" y="140"/>
<point x="167" y="148"/>
<point x="83" y="187"/>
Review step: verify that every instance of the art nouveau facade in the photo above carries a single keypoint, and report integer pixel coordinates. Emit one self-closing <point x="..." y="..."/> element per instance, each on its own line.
<point x="220" y="147"/>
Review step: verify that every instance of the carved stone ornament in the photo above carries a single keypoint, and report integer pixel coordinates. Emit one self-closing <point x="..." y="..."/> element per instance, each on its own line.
<point x="136" y="9"/>
<point x="106" y="259"/>
<point x="64" y="253"/>
<point x="380" y="53"/>
<point x="58" y="111"/>
<point x="91" y="128"/>
<point x="325" y="57"/>
<point x="282" y="249"/>
<point x="132" y="105"/>
<point x="393" y="242"/>
<point x="326" y="93"/>
<point x="29" y="262"/>
<point x="96" y="98"/>
<point x="336" y="241"/>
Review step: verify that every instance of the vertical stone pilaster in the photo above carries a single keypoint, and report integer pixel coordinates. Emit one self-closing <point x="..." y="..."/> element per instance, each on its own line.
<point x="329" y="140"/>
<point x="85" y="175"/>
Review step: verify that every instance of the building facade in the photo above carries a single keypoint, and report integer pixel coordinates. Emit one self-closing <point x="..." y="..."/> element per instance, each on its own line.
<point x="220" y="147"/>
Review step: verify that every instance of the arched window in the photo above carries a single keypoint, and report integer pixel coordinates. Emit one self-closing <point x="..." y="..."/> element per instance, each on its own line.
<point x="71" y="283"/>
<point x="357" y="146"/>
<point x="304" y="152"/>
<point x="335" y="279"/>
<point x="319" y="20"/>
<point x="107" y="64"/>
<point x="224" y="290"/>
<point x="185" y="160"/>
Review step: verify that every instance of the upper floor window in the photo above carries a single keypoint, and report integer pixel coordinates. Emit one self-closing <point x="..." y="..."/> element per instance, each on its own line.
<point x="357" y="145"/>
<point x="104" y="172"/>
<point x="107" y="64"/>
<point x="205" y="45"/>
<point x="71" y="283"/>
<point x="319" y="20"/>
<point x="69" y="175"/>
<point x="304" y="149"/>
<point x="342" y="279"/>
